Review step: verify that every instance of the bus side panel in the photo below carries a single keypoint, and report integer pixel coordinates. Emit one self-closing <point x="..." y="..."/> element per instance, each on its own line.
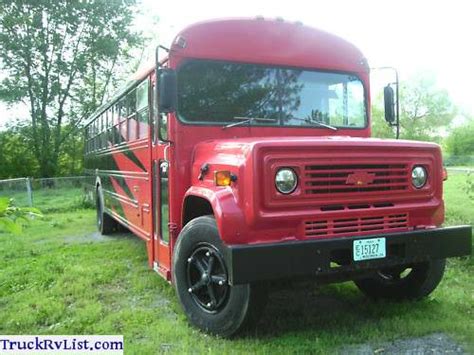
<point x="123" y="172"/>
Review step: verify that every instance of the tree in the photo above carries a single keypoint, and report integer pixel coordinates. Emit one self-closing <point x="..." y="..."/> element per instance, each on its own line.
<point x="461" y="139"/>
<point x="16" y="158"/>
<point x="380" y="127"/>
<point x="460" y="145"/>
<point x="59" y="57"/>
<point x="425" y="109"/>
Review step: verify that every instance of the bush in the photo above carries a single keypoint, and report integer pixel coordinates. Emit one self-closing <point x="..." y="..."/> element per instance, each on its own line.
<point x="460" y="141"/>
<point x="458" y="160"/>
<point x="10" y="215"/>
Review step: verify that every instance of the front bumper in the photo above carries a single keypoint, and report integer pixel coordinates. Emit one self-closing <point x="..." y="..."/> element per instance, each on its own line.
<point x="251" y="263"/>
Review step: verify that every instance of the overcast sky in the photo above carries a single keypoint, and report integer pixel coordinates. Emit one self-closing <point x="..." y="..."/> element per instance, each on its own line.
<point x="410" y="35"/>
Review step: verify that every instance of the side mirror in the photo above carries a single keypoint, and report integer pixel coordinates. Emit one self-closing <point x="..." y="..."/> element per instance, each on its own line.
<point x="389" y="103"/>
<point x="167" y="91"/>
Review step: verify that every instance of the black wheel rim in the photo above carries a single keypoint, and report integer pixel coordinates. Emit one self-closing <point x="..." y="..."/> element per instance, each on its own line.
<point x="207" y="278"/>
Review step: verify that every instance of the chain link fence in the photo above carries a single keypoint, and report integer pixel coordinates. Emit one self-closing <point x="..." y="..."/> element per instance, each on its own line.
<point x="19" y="190"/>
<point x="49" y="195"/>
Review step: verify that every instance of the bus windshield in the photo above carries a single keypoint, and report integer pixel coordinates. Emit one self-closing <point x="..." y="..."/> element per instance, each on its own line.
<point x="222" y="93"/>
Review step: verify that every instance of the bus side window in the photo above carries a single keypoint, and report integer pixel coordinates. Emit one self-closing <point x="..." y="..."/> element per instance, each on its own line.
<point x="110" y="122"/>
<point x="95" y="132"/>
<point x="142" y="95"/>
<point x="103" y="121"/>
<point x="86" y="139"/>
<point x="121" y="121"/>
<point x="142" y="109"/>
<point x="128" y="131"/>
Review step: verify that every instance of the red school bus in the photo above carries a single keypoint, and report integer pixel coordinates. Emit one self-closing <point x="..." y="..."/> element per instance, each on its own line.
<point x="244" y="157"/>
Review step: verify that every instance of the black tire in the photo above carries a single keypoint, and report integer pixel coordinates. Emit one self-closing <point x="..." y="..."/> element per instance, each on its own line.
<point x="105" y="223"/>
<point x="397" y="285"/>
<point x="232" y="308"/>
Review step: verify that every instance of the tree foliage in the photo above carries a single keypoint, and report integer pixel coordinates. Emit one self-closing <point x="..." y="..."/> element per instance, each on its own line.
<point x="425" y="109"/>
<point x="16" y="158"/>
<point x="380" y="127"/>
<point x="59" y="57"/>
<point x="461" y="140"/>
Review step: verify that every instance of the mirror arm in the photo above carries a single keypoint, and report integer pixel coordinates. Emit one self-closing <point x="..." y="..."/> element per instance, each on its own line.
<point x="397" y="103"/>
<point x="162" y="47"/>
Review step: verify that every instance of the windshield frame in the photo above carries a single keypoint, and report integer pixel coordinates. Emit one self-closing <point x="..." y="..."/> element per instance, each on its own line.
<point x="187" y="61"/>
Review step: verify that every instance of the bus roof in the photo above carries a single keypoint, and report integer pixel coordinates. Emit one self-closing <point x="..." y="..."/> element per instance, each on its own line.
<point x="265" y="41"/>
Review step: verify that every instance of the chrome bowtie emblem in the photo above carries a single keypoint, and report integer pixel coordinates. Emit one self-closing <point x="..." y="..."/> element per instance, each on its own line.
<point x="360" y="178"/>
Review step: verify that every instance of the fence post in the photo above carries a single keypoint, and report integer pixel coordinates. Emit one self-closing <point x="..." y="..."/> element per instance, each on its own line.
<point x="29" y="191"/>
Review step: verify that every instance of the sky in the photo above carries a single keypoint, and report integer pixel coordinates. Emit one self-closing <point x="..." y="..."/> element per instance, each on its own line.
<point x="413" y="36"/>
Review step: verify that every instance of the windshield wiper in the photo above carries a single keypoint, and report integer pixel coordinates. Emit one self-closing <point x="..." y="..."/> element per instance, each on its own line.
<point x="324" y="125"/>
<point x="317" y="123"/>
<point x="248" y="120"/>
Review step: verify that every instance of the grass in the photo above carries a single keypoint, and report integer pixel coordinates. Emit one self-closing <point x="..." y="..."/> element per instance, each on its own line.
<point x="65" y="199"/>
<point x="60" y="277"/>
<point x="51" y="199"/>
<point x="459" y="207"/>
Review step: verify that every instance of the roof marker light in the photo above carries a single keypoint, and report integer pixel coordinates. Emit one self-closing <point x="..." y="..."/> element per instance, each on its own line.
<point x="180" y="41"/>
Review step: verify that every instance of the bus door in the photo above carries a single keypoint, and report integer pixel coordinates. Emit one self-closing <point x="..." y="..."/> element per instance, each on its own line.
<point x="160" y="168"/>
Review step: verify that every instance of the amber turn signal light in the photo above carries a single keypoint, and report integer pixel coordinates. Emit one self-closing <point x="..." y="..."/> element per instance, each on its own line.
<point x="222" y="178"/>
<point x="445" y="174"/>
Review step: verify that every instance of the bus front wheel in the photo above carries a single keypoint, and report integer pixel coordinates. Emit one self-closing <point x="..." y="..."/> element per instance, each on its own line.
<point x="201" y="281"/>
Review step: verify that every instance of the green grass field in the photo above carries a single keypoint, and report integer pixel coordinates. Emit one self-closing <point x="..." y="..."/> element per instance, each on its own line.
<point x="60" y="277"/>
<point x="51" y="199"/>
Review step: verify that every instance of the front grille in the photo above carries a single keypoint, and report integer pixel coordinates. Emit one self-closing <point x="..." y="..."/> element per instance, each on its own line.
<point x="355" y="178"/>
<point x="356" y="226"/>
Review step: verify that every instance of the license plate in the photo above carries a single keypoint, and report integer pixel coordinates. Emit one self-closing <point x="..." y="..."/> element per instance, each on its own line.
<point x="366" y="249"/>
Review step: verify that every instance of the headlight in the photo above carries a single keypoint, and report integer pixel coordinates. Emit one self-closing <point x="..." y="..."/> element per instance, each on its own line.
<point x="286" y="180"/>
<point x="419" y="177"/>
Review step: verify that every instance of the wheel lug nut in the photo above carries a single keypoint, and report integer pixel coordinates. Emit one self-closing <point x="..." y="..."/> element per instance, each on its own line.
<point x="209" y="304"/>
<point x="221" y="283"/>
<point x="190" y="290"/>
<point x="190" y="259"/>
<point x="208" y="254"/>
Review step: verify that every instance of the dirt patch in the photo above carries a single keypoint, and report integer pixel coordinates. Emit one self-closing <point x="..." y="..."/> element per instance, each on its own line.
<point x="94" y="237"/>
<point x="430" y="344"/>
